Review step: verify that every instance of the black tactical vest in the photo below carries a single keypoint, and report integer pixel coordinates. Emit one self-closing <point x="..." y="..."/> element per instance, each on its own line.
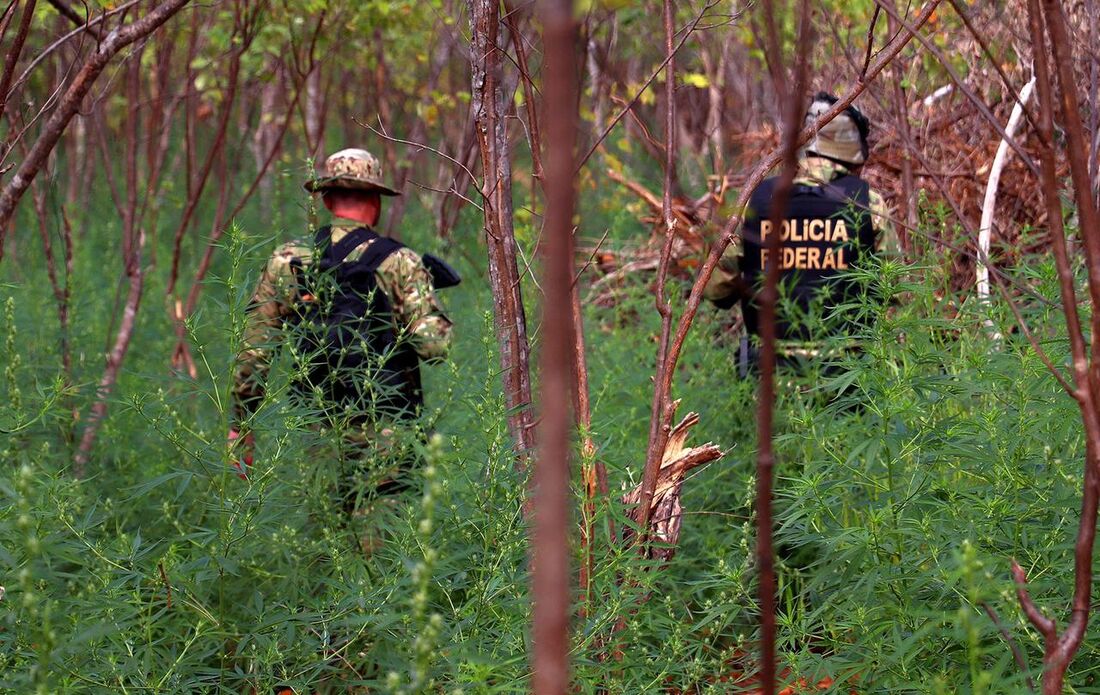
<point x="347" y="346"/>
<point x="826" y="231"/>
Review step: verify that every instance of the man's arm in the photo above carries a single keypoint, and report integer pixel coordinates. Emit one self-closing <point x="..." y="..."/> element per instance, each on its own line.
<point x="417" y="311"/>
<point x="270" y="305"/>
<point x="882" y="218"/>
<point x="726" y="286"/>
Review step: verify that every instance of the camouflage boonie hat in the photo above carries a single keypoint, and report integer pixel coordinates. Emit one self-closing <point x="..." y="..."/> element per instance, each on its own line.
<point x="843" y="139"/>
<point x="353" y="169"/>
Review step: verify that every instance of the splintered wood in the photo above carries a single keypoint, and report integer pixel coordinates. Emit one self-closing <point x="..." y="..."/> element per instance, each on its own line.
<point x="666" y="512"/>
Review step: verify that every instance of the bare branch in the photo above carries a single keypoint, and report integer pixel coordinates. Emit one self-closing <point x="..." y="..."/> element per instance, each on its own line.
<point x="70" y="102"/>
<point x="870" y="42"/>
<point x="70" y="14"/>
<point x="1017" y="653"/>
<point x="1043" y="624"/>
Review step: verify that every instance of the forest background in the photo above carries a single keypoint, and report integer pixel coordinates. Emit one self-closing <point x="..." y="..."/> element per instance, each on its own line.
<point x="153" y="156"/>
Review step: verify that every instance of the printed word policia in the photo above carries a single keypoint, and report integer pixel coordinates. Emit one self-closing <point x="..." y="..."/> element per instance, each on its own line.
<point x="833" y="222"/>
<point x="803" y="256"/>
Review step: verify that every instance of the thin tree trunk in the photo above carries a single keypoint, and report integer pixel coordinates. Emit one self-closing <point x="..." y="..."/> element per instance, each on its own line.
<point x="504" y="279"/>
<point x="791" y="101"/>
<point x="62" y="291"/>
<point x="1060" y="648"/>
<point x="550" y="585"/>
<point x="70" y="102"/>
<point x="660" y="416"/>
<point x="11" y="60"/>
<point x="195" y="194"/>
<point x="115" y="358"/>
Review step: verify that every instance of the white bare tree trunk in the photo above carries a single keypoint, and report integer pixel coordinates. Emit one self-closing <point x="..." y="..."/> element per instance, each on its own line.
<point x="989" y="206"/>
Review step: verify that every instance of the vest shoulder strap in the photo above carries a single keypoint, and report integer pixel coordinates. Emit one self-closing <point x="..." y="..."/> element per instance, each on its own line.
<point x="849" y="189"/>
<point x="335" y="254"/>
<point x="379" y="250"/>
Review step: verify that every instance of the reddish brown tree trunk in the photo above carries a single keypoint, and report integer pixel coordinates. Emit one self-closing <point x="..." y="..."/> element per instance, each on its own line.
<point x="1060" y="648"/>
<point x="11" y="60"/>
<point x="550" y="585"/>
<point x="660" y="421"/>
<point x="791" y="99"/>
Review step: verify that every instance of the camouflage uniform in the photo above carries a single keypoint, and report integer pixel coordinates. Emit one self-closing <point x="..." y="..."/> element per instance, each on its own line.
<point x="417" y="312"/>
<point x="822" y="161"/>
<point x="417" y="316"/>
<point x="812" y="171"/>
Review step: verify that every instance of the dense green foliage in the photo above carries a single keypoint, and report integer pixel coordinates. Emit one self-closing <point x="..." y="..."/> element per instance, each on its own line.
<point x="906" y="484"/>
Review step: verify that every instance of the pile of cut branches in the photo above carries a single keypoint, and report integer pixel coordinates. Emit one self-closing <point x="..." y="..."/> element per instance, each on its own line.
<point x="692" y="219"/>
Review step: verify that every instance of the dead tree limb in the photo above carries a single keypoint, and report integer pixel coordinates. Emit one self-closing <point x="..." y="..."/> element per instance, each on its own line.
<point x="659" y="417"/>
<point x="666" y="511"/>
<point x="989" y="205"/>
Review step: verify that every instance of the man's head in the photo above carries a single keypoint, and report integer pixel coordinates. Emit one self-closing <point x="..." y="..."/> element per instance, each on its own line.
<point x="350" y="184"/>
<point x="361" y="206"/>
<point x="843" y="139"/>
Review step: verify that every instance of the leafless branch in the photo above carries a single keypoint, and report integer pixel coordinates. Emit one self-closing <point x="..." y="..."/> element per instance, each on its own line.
<point x="70" y="102"/>
<point x="1017" y="653"/>
<point x="692" y="26"/>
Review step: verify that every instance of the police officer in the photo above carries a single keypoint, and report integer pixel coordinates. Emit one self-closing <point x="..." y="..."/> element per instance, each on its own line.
<point x="360" y="313"/>
<point x="833" y="220"/>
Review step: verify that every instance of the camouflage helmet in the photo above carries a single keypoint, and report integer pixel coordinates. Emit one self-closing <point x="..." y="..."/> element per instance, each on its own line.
<point x="843" y="139"/>
<point x="352" y="169"/>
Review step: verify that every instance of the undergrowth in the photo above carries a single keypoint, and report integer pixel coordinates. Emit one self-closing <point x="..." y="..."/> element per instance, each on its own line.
<point x="907" y="481"/>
